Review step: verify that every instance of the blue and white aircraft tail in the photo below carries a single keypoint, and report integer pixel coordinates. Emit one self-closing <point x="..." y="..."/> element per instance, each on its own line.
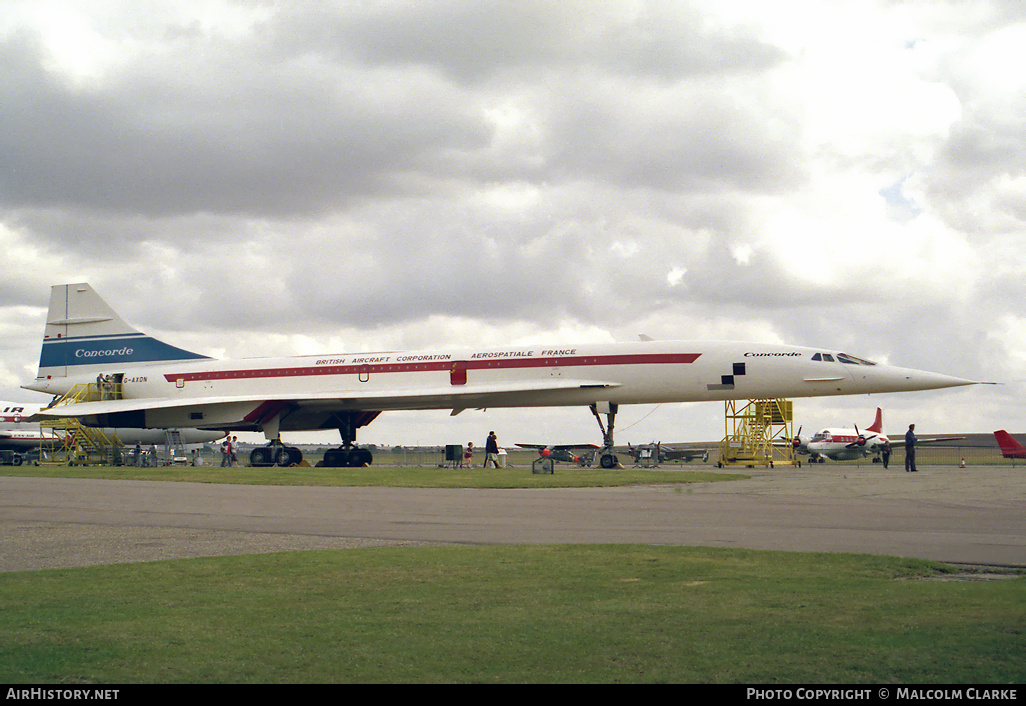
<point x="84" y="335"/>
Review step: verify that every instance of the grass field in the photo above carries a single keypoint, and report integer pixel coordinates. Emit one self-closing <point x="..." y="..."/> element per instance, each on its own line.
<point x="390" y="476"/>
<point x="576" y="614"/>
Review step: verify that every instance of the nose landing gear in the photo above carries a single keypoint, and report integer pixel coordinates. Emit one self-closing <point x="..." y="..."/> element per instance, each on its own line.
<point x="606" y="457"/>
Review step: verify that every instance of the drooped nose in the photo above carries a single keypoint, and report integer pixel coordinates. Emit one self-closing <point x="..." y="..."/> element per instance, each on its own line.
<point x="908" y="379"/>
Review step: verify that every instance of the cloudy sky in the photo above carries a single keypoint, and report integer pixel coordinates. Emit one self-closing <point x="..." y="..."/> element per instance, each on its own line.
<point x="263" y="178"/>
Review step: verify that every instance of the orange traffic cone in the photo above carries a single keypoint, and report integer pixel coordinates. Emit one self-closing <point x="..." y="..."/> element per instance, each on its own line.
<point x="963" y="464"/>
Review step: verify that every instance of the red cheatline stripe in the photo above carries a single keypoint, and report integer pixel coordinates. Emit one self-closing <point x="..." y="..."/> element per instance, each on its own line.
<point x="473" y="364"/>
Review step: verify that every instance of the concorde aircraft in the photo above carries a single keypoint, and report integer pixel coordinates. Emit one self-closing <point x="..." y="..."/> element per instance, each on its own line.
<point x="848" y="444"/>
<point x="20" y="435"/>
<point x="154" y="384"/>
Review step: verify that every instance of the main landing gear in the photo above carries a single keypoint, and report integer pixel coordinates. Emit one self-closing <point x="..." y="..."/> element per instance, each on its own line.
<point x="346" y="456"/>
<point x="275" y="454"/>
<point x="349" y="455"/>
<point x="607" y="459"/>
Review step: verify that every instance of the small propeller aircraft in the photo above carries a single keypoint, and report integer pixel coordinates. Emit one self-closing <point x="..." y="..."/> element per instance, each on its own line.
<point x="840" y="444"/>
<point x="566" y="453"/>
<point x="658" y="452"/>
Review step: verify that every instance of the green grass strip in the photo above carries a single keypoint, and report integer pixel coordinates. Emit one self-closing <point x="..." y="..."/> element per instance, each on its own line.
<point x="384" y="476"/>
<point x="574" y="614"/>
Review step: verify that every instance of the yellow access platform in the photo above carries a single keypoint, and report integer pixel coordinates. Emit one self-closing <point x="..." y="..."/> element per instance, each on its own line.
<point x="69" y="443"/>
<point x="758" y="433"/>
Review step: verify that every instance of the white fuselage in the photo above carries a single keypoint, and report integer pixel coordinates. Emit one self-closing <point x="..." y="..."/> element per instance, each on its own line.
<point x="19" y="434"/>
<point x="844" y="444"/>
<point x="304" y="391"/>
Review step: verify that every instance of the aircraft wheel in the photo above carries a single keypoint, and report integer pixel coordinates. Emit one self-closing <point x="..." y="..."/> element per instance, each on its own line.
<point x="360" y="457"/>
<point x="282" y="457"/>
<point x="608" y="461"/>
<point x="351" y="458"/>
<point x="295" y="456"/>
<point x="261" y="456"/>
<point x="336" y="458"/>
<point x="333" y="458"/>
<point x="16" y="460"/>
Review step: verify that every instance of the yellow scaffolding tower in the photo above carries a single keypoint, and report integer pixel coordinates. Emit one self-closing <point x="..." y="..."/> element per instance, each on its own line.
<point x="70" y="443"/>
<point x="758" y="433"/>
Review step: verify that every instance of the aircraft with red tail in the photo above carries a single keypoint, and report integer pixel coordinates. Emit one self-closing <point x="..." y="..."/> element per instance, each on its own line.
<point x="848" y="444"/>
<point x="1010" y="448"/>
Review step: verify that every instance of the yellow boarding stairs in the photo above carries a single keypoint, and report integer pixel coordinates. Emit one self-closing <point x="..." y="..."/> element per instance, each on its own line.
<point x="67" y="442"/>
<point x="758" y="433"/>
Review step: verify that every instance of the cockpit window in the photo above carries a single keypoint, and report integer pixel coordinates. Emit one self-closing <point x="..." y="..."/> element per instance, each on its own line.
<point x="842" y="357"/>
<point x="852" y="360"/>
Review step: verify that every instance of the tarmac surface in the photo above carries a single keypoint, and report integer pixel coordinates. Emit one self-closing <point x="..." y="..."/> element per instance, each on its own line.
<point x="971" y="516"/>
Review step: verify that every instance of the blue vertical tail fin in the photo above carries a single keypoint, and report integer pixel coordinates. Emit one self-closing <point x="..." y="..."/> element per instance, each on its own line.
<point x="84" y="336"/>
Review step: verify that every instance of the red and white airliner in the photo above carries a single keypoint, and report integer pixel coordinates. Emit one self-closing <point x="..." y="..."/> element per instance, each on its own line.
<point x="22" y="436"/>
<point x="839" y="444"/>
<point x="158" y="385"/>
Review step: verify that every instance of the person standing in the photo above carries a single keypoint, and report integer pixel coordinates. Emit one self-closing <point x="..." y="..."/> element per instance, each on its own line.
<point x="492" y="450"/>
<point x="885" y="453"/>
<point x="226" y="452"/>
<point x="468" y="455"/>
<point x="910" y="449"/>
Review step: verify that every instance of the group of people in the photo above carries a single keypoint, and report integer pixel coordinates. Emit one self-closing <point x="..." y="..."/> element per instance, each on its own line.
<point x="149" y="458"/>
<point x="910" y="450"/>
<point x="491" y="452"/>
<point x="105" y="387"/>
<point x="229" y="451"/>
<point x="229" y="454"/>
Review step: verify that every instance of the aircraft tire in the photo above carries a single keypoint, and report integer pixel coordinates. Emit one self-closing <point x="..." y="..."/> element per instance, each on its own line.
<point x="608" y="461"/>
<point x="261" y="456"/>
<point x="282" y="456"/>
<point x="353" y="458"/>
<point x="336" y="458"/>
<point x="360" y="457"/>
